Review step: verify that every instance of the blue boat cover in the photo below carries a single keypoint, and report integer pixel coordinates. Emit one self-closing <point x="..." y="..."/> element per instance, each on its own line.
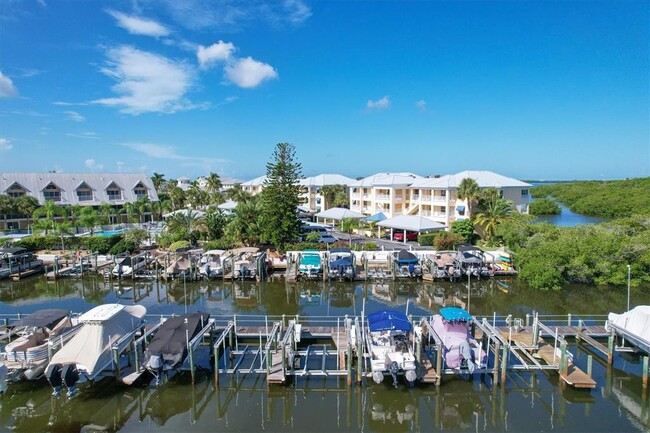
<point x="386" y="320"/>
<point x="404" y="257"/>
<point x="455" y="314"/>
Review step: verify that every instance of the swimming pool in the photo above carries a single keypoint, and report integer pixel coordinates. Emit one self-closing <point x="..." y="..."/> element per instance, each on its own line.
<point x="108" y="233"/>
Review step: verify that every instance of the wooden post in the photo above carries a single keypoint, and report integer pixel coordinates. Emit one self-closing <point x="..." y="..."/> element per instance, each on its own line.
<point x="135" y="353"/>
<point x="504" y="363"/>
<point x="439" y="365"/>
<point x="535" y="331"/>
<point x="569" y="319"/>
<point x="349" y="363"/>
<point x="495" y="372"/>
<point x="645" y="373"/>
<point x="590" y="360"/>
<point x="527" y="319"/>
<point x="116" y="361"/>
<point x="564" y="359"/>
<point x="610" y="347"/>
<point x="215" y="350"/>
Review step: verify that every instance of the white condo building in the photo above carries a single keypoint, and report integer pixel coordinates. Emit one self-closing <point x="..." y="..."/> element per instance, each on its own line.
<point x="435" y="198"/>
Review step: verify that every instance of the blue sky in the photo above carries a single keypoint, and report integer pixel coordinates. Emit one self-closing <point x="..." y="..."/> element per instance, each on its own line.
<point x="533" y="90"/>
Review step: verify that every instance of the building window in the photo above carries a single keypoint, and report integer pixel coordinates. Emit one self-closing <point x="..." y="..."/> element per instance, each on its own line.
<point x="140" y="191"/>
<point x="524" y="193"/>
<point x="85" y="194"/>
<point x="443" y="193"/>
<point x="51" y="192"/>
<point x="114" y="193"/>
<point x="501" y="193"/>
<point x="15" y="191"/>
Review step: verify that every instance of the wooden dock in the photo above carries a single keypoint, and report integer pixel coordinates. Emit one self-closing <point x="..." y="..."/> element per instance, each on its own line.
<point x="276" y="373"/>
<point x="428" y="373"/>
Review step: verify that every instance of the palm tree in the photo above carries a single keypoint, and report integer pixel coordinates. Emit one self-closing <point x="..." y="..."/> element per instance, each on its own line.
<point x="142" y="205"/>
<point x="89" y="218"/>
<point x="469" y="190"/>
<point x="331" y="195"/>
<point x="348" y="225"/>
<point x="47" y="213"/>
<point x="245" y="223"/>
<point x="106" y="212"/>
<point x="177" y="197"/>
<point x="494" y="213"/>
<point x="158" y="180"/>
<point x="26" y="205"/>
<point x="7" y="205"/>
<point x="213" y="186"/>
<point x="188" y="224"/>
<point x="237" y="193"/>
<point x="196" y="196"/>
<point x="216" y="221"/>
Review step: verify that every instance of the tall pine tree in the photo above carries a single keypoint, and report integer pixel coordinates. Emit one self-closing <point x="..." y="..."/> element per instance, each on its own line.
<point x="281" y="197"/>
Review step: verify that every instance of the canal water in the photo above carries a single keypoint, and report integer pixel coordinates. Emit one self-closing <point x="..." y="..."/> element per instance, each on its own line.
<point x="528" y="401"/>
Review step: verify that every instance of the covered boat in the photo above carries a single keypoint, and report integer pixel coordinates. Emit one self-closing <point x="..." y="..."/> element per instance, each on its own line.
<point x="89" y="352"/>
<point x="341" y="265"/>
<point x="245" y="265"/>
<point x="310" y="264"/>
<point x="388" y="339"/>
<point x="169" y="347"/>
<point x="212" y="264"/>
<point x="634" y="325"/>
<point x="459" y="349"/>
<point x="407" y="264"/>
<point x="17" y="260"/>
<point x="472" y="261"/>
<point x="128" y="265"/>
<point x="27" y="356"/>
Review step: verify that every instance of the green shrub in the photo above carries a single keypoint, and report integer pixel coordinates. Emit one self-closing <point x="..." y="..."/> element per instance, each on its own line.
<point x="178" y="244"/>
<point x="448" y="241"/>
<point x="123" y="246"/>
<point x="299" y="246"/>
<point x="369" y="246"/>
<point x="544" y="206"/>
<point x="35" y="243"/>
<point x="100" y="244"/>
<point x="219" y="244"/>
<point x="427" y="239"/>
<point x="464" y="228"/>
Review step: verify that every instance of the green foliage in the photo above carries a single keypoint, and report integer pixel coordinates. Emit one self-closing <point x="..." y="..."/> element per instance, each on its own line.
<point x="280" y="197"/>
<point x="544" y="206"/>
<point x="609" y="199"/>
<point x="35" y="243"/>
<point x="137" y="236"/>
<point x="123" y="246"/>
<point x="245" y="225"/>
<point x="447" y="241"/>
<point x="427" y="239"/>
<point x="219" y="244"/>
<point x="100" y="244"/>
<point x="216" y="222"/>
<point x="178" y="244"/>
<point x="587" y="254"/>
<point x="188" y="226"/>
<point x="334" y="196"/>
<point x="515" y="232"/>
<point x="492" y="213"/>
<point x="300" y="246"/>
<point x="464" y="228"/>
<point x="469" y="190"/>
<point x="367" y="246"/>
<point x="312" y="237"/>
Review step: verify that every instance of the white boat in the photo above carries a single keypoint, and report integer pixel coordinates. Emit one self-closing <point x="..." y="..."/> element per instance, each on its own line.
<point x="633" y="325"/>
<point x="310" y="265"/>
<point x="15" y="260"/>
<point x="460" y="350"/>
<point x="89" y="353"/>
<point x="42" y="331"/>
<point x="341" y="264"/>
<point x="387" y="336"/>
<point x="245" y="262"/>
<point x="128" y="265"/>
<point x="211" y="263"/>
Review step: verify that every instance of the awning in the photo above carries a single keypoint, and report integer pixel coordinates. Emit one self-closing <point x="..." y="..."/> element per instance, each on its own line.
<point x="338" y="213"/>
<point x="412" y="223"/>
<point x="388" y="320"/>
<point x="379" y="216"/>
<point x="460" y="208"/>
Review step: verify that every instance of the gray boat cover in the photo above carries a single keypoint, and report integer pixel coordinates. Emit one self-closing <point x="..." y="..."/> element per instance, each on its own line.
<point x="43" y="318"/>
<point x="171" y="339"/>
<point x="636" y="321"/>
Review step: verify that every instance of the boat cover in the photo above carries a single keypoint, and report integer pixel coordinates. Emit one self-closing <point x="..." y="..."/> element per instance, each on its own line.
<point x="102" y="326"/>
<point x="404" y="257"/>
<point x="170" y="341"/>
<point x="386" y="320"/>
<point x="334" y="251"/>
<point x="43" y="318"/>
<point x="455" y="314"/>
<point x="310" y="258"/>
<point x="344" y="262"/>
<point x="635" y="321"/>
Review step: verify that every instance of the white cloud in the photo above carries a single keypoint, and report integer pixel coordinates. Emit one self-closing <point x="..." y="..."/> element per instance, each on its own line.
<point x="74" y="116"/>
<point x="421" y="105"/>
<point x="298" y="11"/>
<point x="146" y="82"/>
<point x="218" y="52"/>
<point x="139" y="26"/>
<point x="379" y="104"/>
<point x="83" y="135"/>
<point x="7" y="88"/>
<point x="92" y="164"/>
<point x="160" y="151"/>
<point x="68" y="104"/>
<point x="249" y="73"/>
<point x="5" y="144"/>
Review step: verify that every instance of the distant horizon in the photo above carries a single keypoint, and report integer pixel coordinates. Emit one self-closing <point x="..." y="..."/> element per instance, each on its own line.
<point x="536" y="89"/>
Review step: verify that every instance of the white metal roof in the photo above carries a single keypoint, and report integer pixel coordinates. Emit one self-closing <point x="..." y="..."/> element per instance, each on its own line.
<point x="326" y="179"/>
<point x="484" y="178"/>
<point x="411" y="222"/>
<point x="338" y="213"/>
<point x="68" y="183"/>
<point x="228" y="205"/>
<point x="258" y="181"/>
<point x="197" y="213"/>
<point x="386" y="179"/>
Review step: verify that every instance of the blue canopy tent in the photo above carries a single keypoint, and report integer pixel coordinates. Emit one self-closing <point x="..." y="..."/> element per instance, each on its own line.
<point x="387" y="320"/>
<point x="379" y="216"/>
<point x="455" y="314"/>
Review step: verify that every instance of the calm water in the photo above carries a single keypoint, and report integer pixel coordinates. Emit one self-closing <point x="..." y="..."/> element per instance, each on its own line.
<point x="527" y="402"/>
<point x="566" y="218"/>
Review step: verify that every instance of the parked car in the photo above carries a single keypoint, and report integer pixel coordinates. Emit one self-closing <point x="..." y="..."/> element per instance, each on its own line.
<point x="398" y="235"/>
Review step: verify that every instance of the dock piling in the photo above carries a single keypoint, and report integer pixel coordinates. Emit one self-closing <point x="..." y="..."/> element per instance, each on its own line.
<point x="645" y="373"/>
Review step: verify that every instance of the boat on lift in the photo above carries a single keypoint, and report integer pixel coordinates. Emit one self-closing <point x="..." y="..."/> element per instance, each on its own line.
<point x="407" y="264"/>
<point x="388" y="337"/>
<point x="341" y="264"/>
<point x="460" y="351"/>
<point x="90" y="352"/>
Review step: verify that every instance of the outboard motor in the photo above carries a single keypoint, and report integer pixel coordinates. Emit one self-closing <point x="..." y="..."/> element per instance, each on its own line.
<point x="394" y="369"/>
<point x="70" y="377"/>
<point x="54" y="377"/>
<point x="468" y="356"/>
<point x="3" y="378"/>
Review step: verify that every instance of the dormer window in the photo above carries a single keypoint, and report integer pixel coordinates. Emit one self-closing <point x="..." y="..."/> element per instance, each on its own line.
<point x="140" y="191"/>
<point x="84" y="192"/>
<point x="16" y="191"/>
<point x="114" y="192"/>
<point x="52" y="192"/>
